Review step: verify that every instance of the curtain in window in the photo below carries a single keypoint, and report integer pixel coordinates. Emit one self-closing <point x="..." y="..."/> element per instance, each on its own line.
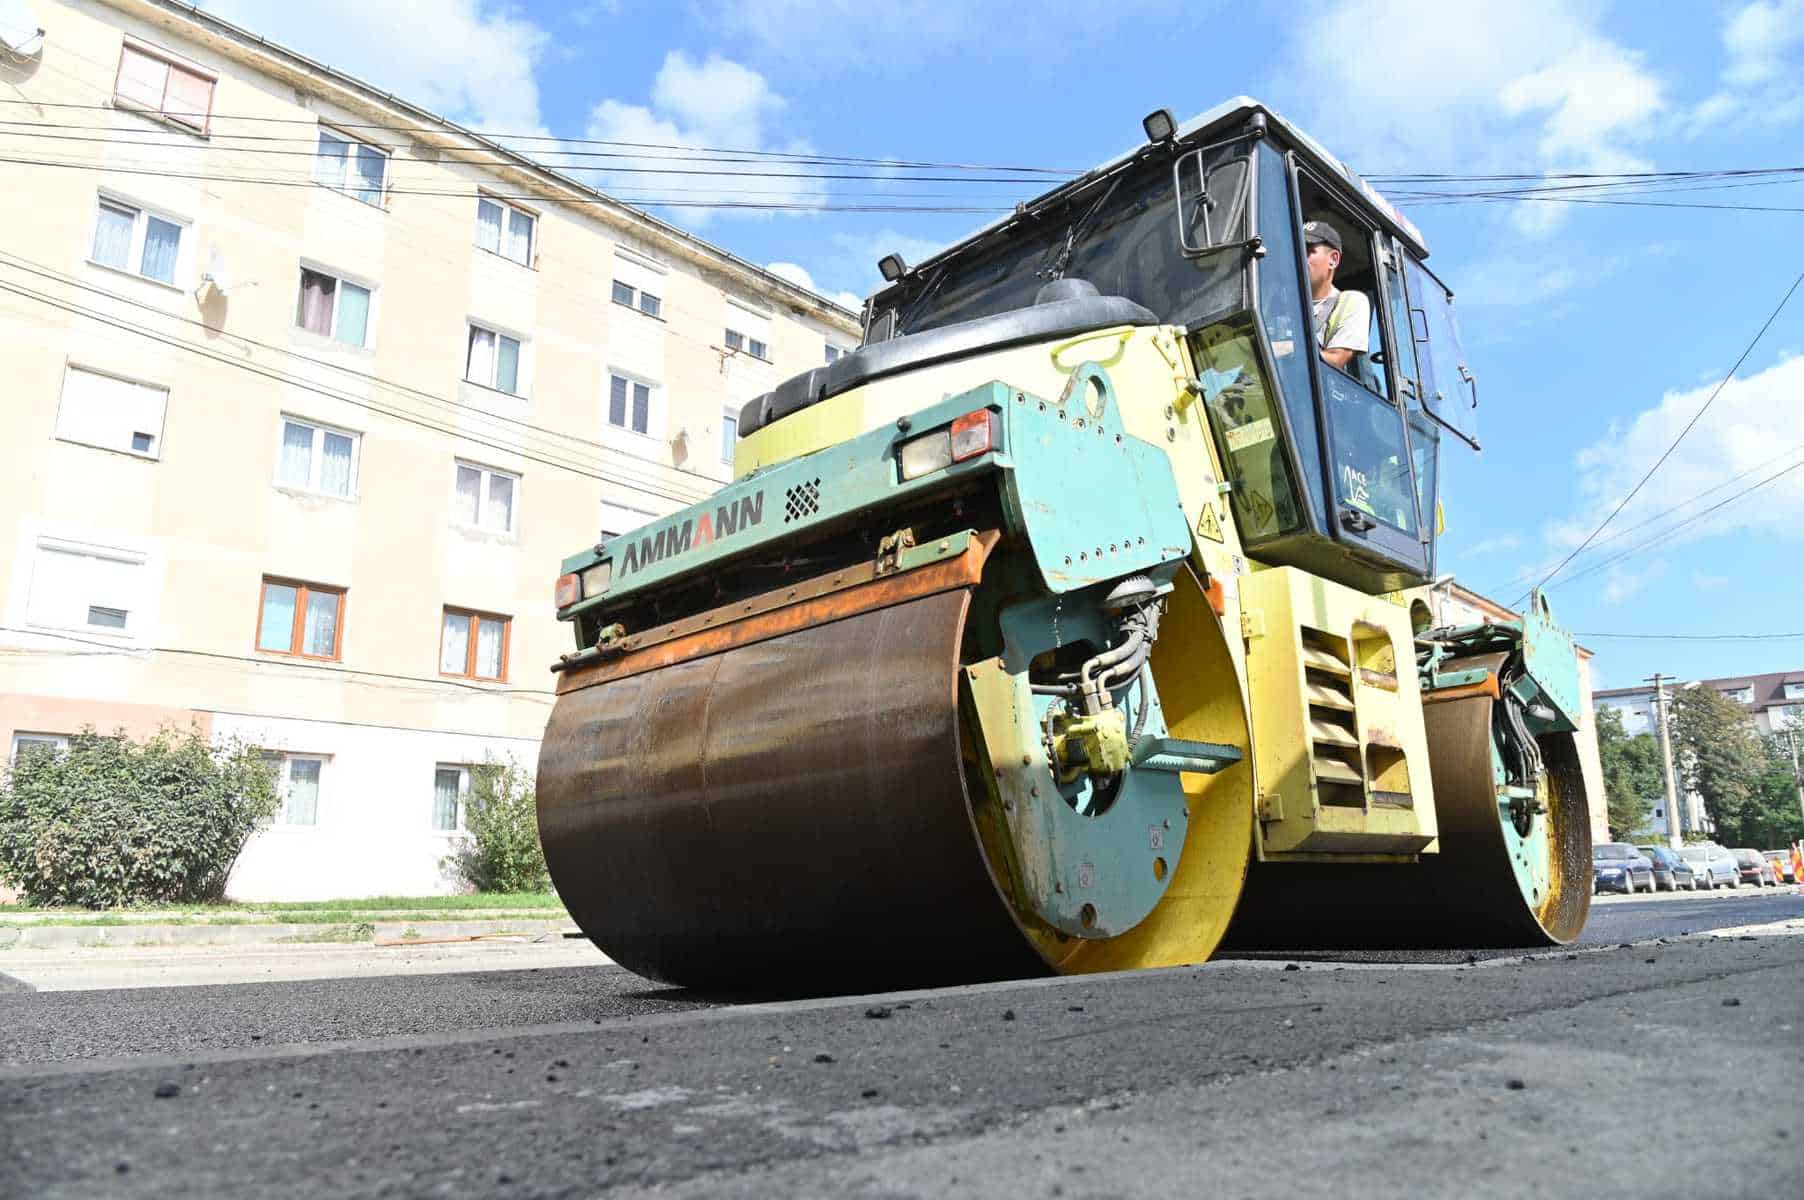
<point x="480" y="367"/>
<point x="616" y="400"/>
<point x="519" y="236"/>
<point x="319" y="632"/>
<point x="335" y="465"/>
<point x="488" y="648"/>
<point x="444" y="798"/>
<point x="500" y="512"/>
<point x="297" y="454"/>
<point x="371" y="163"/>
<point x="641" y="408"/>
<point x="488" y="225"/>
<point x="141" y="79"/>
<point x="454" y="645"/>
<point x="302" y="807"/>
<point x="113" y="236"/>
<point x="161" y="240"/>
<point x="507" y="365"/>
<point x="315" y="312"/>
<point x="276" y="629"/>
<point x="353" y="314"/>
<point x="189" y="99"/>
<point x="329" y="167"/>
<point x="469" y="494"/>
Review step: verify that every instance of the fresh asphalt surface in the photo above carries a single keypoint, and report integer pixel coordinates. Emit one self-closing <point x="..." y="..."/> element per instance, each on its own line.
<point x="1411" y="1074"/>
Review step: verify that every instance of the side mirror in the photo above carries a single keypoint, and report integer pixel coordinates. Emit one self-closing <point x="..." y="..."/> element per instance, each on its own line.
<point x="1214" y="200"/>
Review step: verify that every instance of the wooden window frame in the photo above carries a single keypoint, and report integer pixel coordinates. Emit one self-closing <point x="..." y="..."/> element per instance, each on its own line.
<point x="174" y="63"/>
<point x="303" y="591"/>
<point x="470" y="642"/>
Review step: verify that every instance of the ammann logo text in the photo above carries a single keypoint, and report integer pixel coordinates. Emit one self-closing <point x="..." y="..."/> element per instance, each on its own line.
<point x="725" y="521"/>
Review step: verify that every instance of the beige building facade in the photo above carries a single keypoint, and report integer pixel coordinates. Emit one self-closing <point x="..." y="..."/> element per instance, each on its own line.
<point x="308" y="393"/>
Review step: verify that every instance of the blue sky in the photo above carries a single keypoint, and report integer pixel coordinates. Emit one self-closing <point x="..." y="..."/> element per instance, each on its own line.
<point x="1596" y="331"/>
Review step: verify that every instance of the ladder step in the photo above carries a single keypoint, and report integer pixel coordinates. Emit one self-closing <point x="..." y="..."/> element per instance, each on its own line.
<point x="1333" y="770"/>
<point x="1318" y="659"/>
<point x="1330" y="734"/>
<point x="1182" y="754"/>
<point x="1326" y="695"/>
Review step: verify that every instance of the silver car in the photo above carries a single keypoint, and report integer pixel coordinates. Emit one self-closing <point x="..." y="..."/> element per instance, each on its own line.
<point x="1715" y="867"/>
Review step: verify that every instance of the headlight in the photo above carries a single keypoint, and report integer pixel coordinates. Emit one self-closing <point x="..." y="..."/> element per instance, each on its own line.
<point x="927" y="453"/>
<point x="597" y="578"/>
<point x="973" y="434"/>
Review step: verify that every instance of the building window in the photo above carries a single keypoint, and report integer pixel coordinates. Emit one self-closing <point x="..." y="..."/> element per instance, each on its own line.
<point x="1741" y="695"/>
<point x="334" y="308"/>
<point x="493" y="360"/>
<point x="1794" y="691"/>
<point x="748" y="345"/>
<point x="629" y="404"/>
<point x="38" y="743"/>
<point x="297" y="780"/>
<point x="350" y="166"/>
<point x="485" y="498"/>
<point x="111" y="413"/>
<point x="302" y="619"/>
<point x="505" y="230"/>
<point x="127" y="238"/>
<point x="91" y="588"/>
<point x="474" y="645"/>
<point x="617" y="519"/>
<point x="155" y="84"/>
<point x="450" y="792"/>
<point x="835" y="353"/>
<point x="639" y="298"/>
<point x="318" y="459"/>
<point x="729" y="432"/>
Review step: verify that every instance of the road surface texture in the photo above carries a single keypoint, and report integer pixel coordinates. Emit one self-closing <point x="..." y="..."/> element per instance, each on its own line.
<point x="1559" y="1073"/>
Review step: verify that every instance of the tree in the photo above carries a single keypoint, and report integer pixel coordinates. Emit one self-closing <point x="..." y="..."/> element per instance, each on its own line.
<point x="111" y="822"/>
<point x="1633" y="779"/>
<point x="1772" y="818"/>
<point x="502" y="852"/>
<point x="1719" y="756"/>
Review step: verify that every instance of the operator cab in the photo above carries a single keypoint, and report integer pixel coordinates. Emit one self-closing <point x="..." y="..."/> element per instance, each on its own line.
<point x="1331" y="470"/>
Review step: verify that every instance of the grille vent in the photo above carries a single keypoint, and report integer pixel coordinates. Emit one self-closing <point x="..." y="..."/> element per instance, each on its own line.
<point x="802" y="500"/>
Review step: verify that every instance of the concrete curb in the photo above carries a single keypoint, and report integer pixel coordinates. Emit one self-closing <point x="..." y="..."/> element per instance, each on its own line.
<point x="46" y="937"/>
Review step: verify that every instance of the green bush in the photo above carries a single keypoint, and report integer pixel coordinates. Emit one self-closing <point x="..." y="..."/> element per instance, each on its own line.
<point x="502" y="852"/>
<point x="110" y="822"/>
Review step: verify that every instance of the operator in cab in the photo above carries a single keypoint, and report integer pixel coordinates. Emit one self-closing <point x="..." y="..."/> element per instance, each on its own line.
<point x="1343" y="320"/>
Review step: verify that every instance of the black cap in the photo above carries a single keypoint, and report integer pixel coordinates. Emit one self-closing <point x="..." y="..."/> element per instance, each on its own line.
<point x="1320" y="232"/>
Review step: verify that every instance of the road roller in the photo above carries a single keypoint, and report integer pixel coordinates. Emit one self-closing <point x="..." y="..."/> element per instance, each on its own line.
<point x="1084" y="618"/>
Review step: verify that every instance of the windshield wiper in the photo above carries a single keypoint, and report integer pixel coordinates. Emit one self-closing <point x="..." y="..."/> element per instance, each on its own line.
<point x="1074" y="230"/>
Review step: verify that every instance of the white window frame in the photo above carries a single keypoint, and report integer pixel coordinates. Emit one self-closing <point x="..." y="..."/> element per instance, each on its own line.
<point x="625" y="515"/>
<point x="59" y="742"/>
<point x="654" y="423"/>
<point x="729" y="433"/>
<point x="308" y="266"/>
<point x="346" y="182"/>
<point x="132" y="630"/>
<point x="531" y="261"/>
<point x="170" y="62"/>
<point x="463" y="796"/>
<point x="284" y="779"/>
<point x="482" y="497"/>
<point x="1741" y="695"/>
<point x="154" y="454"/>
<point x="471" y="325"/>
<point x="134" y="254"/>
<point x="317" y="456"/>
<point x="637" y="302"/>
<point x="745" y="343"/>
<point x="1793" y="691"/>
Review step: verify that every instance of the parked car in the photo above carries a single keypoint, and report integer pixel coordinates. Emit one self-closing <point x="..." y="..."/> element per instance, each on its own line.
<point x="1714" y="865"/>
<point x="1619" y="867"/>
<point x="1781" y="860"/>
<point x="1671" y="871"/>
<point x="1753" y="868"/>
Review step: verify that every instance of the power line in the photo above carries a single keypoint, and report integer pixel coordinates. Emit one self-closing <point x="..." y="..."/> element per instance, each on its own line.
<point x="1697" y="637"/>
<point x="1667" y="453"/>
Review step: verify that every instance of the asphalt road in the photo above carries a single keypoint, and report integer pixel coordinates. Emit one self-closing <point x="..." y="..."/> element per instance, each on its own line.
<point x="1661" y="1068"/>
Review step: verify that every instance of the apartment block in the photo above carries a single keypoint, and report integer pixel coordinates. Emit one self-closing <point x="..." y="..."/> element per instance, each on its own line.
<point x="309" y="391"/>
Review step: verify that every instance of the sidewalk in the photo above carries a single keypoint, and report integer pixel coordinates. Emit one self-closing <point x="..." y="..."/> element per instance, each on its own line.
<point x="145" y="929"/>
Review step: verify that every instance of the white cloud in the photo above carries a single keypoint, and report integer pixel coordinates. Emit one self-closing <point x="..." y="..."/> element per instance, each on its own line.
<point x="1625" y="583"/>
<point x="1485" y="87"/>
<point x="714" y="104"/>
<point x="798" y="275"/>
<point x="1754" y="430"/>
<point x="1487" y="547"/>
<point x="470" y="60"/>
<point x="1762" y="42"/>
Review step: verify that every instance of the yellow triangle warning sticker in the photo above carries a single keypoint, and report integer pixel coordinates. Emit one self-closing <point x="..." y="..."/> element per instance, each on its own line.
<point x="1209" y="525"/>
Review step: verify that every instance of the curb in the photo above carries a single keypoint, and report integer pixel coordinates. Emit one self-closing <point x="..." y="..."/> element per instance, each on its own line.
<point x="49" y="937"/>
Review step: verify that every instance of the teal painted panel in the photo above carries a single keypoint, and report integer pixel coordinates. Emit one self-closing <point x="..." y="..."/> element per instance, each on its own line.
<point x="1551" y="659"/>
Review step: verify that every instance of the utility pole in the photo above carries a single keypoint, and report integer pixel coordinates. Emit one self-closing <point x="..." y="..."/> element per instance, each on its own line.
<point x="1674" y="838"/>
<point x="1797" y="776"/>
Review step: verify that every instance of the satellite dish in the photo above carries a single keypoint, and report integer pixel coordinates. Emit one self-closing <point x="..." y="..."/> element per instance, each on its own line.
<point x="21" y="37"/>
